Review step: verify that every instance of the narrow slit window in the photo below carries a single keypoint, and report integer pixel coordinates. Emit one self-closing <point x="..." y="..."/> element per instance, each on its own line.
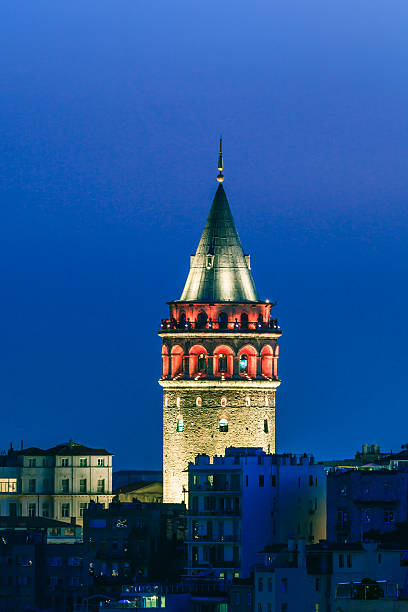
<point x="266" y="427"/>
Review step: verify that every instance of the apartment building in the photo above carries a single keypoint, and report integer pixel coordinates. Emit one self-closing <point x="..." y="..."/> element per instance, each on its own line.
<point x="58" y="482"/>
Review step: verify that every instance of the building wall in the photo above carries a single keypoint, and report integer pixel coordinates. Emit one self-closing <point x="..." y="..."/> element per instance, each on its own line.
<point x="201" y="424"/>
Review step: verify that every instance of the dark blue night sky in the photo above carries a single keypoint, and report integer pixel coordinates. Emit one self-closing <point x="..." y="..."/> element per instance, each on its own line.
<point x="110" y="114"/>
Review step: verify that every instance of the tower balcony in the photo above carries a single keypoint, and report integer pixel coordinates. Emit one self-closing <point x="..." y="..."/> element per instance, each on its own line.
<point x="208" y="327"/>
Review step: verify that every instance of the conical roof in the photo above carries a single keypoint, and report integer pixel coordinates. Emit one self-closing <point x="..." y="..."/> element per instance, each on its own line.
<point x="219" y="271"/>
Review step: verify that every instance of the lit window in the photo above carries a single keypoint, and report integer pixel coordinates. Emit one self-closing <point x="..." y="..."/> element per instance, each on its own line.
<point x="199" y="401"/>
<point x="266" y="400"/>
<point x="388" y="516"/>
<point x="202" y="362"/>
<point x="222" y="362"/>
<point x="223" y="402"/>
<point x="166" y="401"/>
<point x="223" y="425"/>
<point x="8" y="485"/>
<point x="178" y="401"/>
<point x="247" y="401"/>
<point x="83" y="462"/>
<point x="101" y="462"/>
<point x="180" y="425"/>
<point x="243" y="363"/>
<point x="64" y="462"/>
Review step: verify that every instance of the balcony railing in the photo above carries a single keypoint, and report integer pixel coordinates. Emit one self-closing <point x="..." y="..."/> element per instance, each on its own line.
<point x="213" y="538"/>
<point x="209" y="326"/>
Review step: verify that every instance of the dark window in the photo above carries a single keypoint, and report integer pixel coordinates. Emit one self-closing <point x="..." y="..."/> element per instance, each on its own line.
<point x="222" y="362"/>
<point x="202" y="362"/>
<point x="261" y="480"/>
<point x="260" y="584"/>
<point x="182" y="320"/>
<point x="223" y="320"/>
<point x="31" y="485"/>
<point x="273" y="480"/>
<point x="201" y="319"/>
<point x="348" y="560"/>
<point x="65" y="485"/>
<point x="310" y="481"/>
<point x="246" y="480"/>
<point x="244" y="320"/>
<point x="82" y="485"/>
<point x="266" y="428"/>
<point x="341" y="561"/>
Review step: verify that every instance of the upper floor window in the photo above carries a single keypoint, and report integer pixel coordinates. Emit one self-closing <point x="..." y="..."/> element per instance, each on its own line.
<point x="8" y="485"/>
<point x="31" y="485"/>
<point x="65" y="510"/>
<point x="223" y="320"/>
<point x="244" y="320"/>
<point x="83" y="462"/>
<point x="82" y="485"/>
<point x="101" y="486"/>
<point x="223" y="425"/>
<point x="64" y="462"/>
<point x="222" y="362"/>
<point x="202" y="362"/>
<point x="31" y="462"/>
<point x="101" y="462"/>
<point x="65" y="485"/>
<point x="201" y="319"/>
<point x="180" y="425"/>
<point x="243" y="363"/>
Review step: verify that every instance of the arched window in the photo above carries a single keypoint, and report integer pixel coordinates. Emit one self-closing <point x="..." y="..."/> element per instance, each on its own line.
<point x="180" y="424"/>
<point x="182" y="322"/>
<point x="222" y="362"/>
<point x="201" y="319"/>
<point x="223" y="320"/>
<point x="244" y="320"/>
<point x="260" y="321"/>
<point x="202" y="362"/>
<point x="243" y="363"/>
<point x="223" y="425"/>
<point x="199" y="401"/>
<point x="247" y="401"/>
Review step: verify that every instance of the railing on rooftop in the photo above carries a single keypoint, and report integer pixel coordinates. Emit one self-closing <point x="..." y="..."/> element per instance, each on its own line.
<point x="259" y="326"/>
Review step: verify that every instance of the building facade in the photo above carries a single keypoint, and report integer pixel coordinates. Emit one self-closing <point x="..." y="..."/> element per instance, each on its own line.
<point x="220" y="351"/>
<point x="240" y="502"/>
<point x="57" y="483"/>
<point x="361" y="501"/>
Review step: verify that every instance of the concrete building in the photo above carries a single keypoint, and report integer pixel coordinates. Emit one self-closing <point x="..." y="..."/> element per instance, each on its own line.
<point x="361" y="501"/>
<point x="58" y="482"/>
<point x="135" y="541"/>
<point x="332" y="578"/>
<point x="246" y="499"/>
<point x="220" y="352"/>
<point x="37" y="575"/>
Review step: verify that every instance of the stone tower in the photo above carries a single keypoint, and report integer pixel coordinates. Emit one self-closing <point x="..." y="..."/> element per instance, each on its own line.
<point x="220" y="351"/>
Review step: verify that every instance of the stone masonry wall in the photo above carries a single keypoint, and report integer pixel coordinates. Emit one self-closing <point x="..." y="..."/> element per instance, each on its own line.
<point x="201" y="428"/>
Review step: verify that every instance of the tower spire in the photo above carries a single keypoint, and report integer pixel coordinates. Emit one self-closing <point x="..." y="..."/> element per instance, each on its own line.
<point x="220" y="177"/>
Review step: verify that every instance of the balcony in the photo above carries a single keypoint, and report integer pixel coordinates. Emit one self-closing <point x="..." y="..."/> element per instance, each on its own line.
<point x="171" y="325"/>
<point x="213" y="539"/>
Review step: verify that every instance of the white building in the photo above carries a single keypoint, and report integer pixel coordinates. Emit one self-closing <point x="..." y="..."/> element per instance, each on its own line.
<point x="366" y="577"/>
<point x="240" y="502"/>
<point x="58" y="482"/>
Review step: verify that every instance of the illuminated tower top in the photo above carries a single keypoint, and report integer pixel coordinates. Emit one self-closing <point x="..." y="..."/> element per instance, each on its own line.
<point x="219" y="270"/>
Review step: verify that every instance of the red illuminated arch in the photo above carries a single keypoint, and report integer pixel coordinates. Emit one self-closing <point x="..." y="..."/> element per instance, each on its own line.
<point x="196" y="367"/>
<point x="165" y="359"/>
<point x="176" y="360"/>
<point x="223" y="367"/>
<point x="250" y="354"/>
<point x="267" y="361"/>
